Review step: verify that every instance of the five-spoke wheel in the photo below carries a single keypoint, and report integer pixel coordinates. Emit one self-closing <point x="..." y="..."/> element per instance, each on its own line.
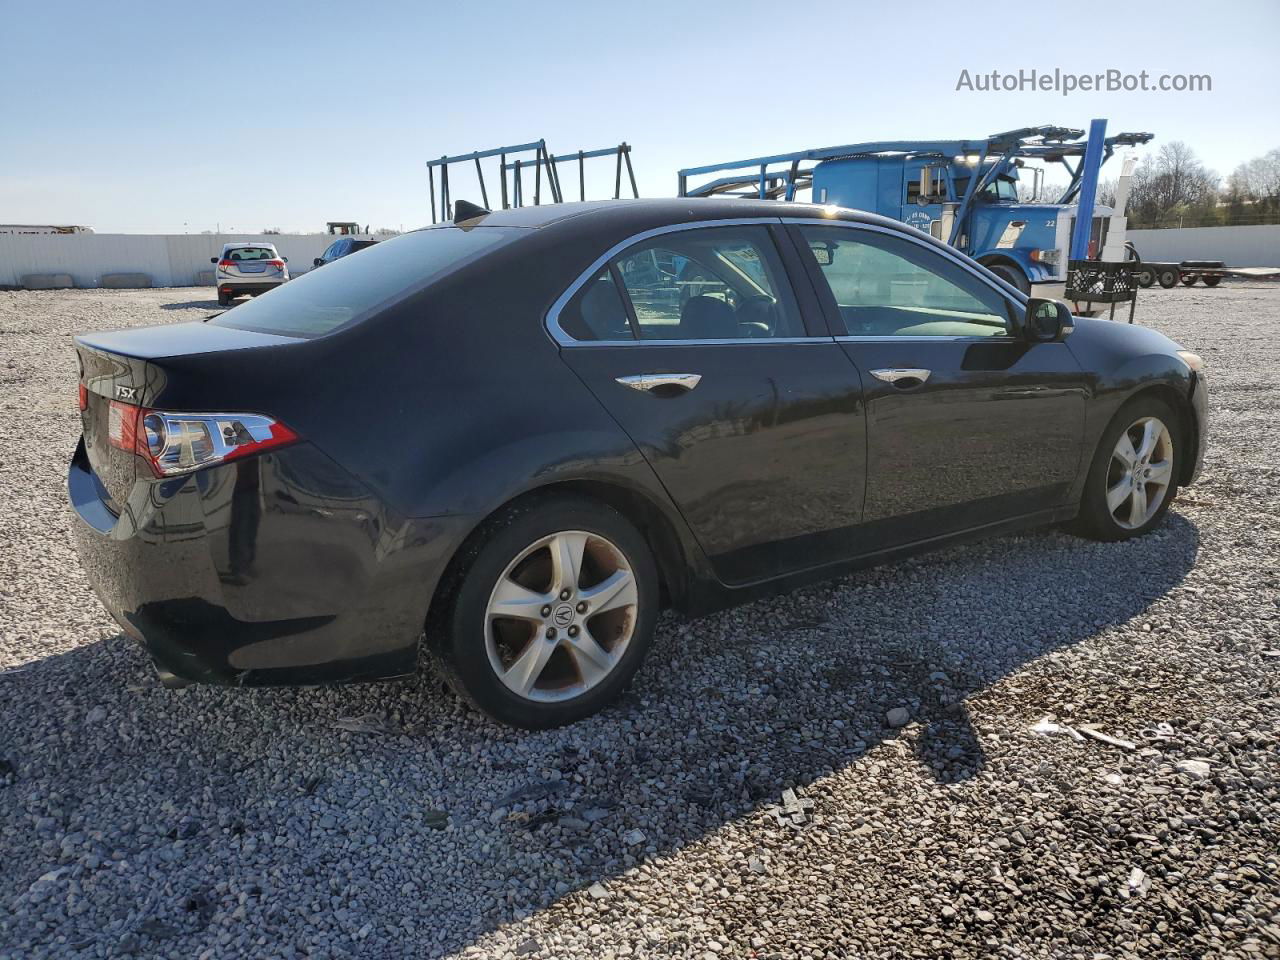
<point x="1140" y="472"/>
<point x="561" y="615"/>
<point x="1134" y="474"/>
<point x="549" y="611"/>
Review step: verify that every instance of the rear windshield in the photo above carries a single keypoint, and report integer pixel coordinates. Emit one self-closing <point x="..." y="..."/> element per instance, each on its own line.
<point x="251" y="253"/>
<point x="350" y="288"/>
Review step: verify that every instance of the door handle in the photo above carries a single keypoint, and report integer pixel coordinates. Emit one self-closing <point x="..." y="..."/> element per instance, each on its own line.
<point x="906" y="376"/>
<point x="668" y="383"/>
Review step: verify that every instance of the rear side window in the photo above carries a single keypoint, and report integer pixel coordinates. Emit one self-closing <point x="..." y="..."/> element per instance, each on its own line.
<point x="350" y="288"/>
<point x="252" y="253"/>
<point x="714" y="283"/>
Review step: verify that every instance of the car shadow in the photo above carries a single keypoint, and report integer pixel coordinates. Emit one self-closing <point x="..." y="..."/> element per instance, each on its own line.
<point x="287" y="790"/>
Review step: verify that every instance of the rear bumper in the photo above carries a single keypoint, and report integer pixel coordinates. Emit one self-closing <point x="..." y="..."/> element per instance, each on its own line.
<point x="278" y="569"/>
<point x="247" y="286"/>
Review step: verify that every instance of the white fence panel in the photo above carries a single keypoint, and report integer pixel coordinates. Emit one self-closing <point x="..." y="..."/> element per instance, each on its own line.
<point x="171" y="260"/>
<point x="1257" y="245"/>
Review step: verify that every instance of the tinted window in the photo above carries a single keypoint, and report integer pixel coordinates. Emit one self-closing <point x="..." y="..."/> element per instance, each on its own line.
<point x="597" y="312"/>
<point x="320" y="301"/>
<point x="888" y="286"/>
<point x="719" y="283"/>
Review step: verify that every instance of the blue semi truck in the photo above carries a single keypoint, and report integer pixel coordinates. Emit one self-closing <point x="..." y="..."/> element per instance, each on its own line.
<point x="964" y="192"/>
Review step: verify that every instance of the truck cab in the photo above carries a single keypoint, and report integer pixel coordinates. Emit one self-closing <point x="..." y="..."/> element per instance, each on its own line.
<point x="1023" y="243"/>
<point x="964" y="192"/>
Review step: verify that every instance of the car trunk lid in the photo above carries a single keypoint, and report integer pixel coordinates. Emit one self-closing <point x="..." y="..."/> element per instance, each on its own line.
<point x="125" y="369"/>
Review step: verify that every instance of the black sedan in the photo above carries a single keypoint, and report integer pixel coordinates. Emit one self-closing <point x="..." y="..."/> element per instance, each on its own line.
<point x="512" y="440"/>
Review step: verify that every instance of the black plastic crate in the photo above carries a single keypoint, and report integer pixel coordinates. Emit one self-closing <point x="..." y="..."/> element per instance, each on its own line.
<point x="1098" y="282"/>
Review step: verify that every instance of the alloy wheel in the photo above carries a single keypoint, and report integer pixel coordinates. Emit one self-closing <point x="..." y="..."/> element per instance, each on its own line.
<point x="1140" y="473"/>
<point x="561" y="616"/>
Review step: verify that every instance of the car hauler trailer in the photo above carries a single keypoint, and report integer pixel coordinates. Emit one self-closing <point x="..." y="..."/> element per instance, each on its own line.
<point x="1190" y="272"/>
<point x="964" y="192"/>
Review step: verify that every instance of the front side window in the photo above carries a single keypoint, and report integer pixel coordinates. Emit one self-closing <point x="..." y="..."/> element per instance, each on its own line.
<point x="887" y="286"/>
<point x="713" y="283"/>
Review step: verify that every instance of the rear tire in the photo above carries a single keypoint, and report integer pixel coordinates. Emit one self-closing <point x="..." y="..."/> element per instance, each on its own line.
<point x="1211" y="281"/>
<point x="526" y="641"/>
<point x="224" y="300"/>
<point x="1109" y="510"/>
<point x="1190" y="279"/>
<point x="1145" y="276"/>
<point x="1167" y="278"/>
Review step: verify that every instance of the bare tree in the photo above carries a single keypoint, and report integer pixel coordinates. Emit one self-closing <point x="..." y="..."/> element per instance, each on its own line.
<point x="1175" y="183"/>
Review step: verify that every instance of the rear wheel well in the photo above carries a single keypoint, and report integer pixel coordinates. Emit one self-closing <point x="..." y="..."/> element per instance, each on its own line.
<point x="639" y="510"/>
<point x="1181" y="405"/>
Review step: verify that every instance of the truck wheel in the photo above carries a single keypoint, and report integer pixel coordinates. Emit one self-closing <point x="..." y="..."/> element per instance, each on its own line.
<point x="1146" y="277"/>
<point x="1190" y="279"/>
<point x="1212" y="281"/>
<point x="1167" y="278"/>
<point x="1011" y="276"/>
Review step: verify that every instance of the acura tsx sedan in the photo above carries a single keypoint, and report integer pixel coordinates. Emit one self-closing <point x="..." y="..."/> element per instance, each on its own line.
<point x="510" y="441"/>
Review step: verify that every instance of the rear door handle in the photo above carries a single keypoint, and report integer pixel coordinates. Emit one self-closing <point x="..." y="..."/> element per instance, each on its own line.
<point x="902" y="377"/>
<point x="663" y="383"/>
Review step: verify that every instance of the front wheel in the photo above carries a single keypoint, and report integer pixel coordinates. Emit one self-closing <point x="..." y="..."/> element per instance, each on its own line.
<point x="1012" y="276"/>
<point x="553" y="609"/>
<point x="1133" y="477"/>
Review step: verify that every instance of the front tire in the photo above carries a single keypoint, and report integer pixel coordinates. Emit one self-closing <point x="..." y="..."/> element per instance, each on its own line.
<point x="1012" y="276"/>
<point x="553" y="609"/>
<point x="1133" y="477"/>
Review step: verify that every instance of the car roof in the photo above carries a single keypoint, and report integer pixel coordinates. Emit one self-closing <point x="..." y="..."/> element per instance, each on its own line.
<point x="602" y="215"/>
<point x="248" y="243"/>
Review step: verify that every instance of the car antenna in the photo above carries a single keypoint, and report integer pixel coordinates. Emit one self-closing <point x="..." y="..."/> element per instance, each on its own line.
<point x="466" y="210"/>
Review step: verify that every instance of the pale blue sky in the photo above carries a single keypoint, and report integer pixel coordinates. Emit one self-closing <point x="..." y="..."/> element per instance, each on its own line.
<point x="141" y="117"/>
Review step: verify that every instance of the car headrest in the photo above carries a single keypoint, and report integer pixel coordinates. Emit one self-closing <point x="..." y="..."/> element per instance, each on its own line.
<point x="707" y="318"/>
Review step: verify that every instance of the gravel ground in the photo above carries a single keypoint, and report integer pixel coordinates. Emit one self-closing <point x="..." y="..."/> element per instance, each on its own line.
<point x="856" y="769"/>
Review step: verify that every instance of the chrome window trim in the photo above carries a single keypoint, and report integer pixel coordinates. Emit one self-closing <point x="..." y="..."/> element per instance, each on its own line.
<point x="557" y="334"/>
<point x="947" y="253"/>
<point x="889" y="338"/>
<point x="745" y="342"/>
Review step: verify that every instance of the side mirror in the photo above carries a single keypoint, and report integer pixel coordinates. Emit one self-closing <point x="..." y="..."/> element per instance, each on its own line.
<point x="318" y="261"/>
<point x="213" y="259"/>
<point x="285" y="259"/>
<point x="1047" y="320"/>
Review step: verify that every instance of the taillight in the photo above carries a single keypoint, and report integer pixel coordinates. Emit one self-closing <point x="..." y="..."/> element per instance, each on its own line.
<point x="226" y="264"/>
<point x="174" y="443"/>
<point x="278" y="264"/>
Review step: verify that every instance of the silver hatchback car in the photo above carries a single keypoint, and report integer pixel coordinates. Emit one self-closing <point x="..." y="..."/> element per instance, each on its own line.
<point x="251" y="268"/>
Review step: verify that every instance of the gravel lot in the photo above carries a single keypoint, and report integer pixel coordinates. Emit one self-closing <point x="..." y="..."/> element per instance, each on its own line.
<point x="136" y="820"/>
